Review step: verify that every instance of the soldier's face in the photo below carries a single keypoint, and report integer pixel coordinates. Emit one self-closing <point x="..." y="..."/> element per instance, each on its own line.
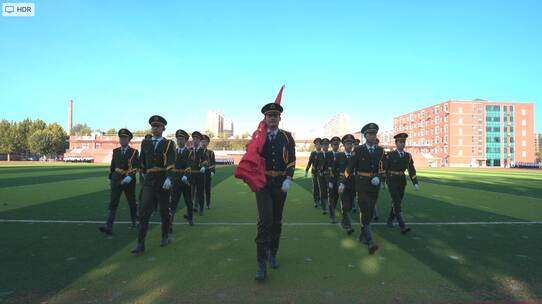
<point x="318" y="146"/>
<point x="195" y="142"/>
<point x="335" y="146"/>
<point x="325" y="147"/>
<point x="348" y="147"/>
<point x="157" y="130"/>
<point x="370" y="137"/>
<point x="272" y="119"/>
<point x="204" y="143"/>
<point x="400" y="144"/>
<point x="123" y="140"/>
<point x="181" y="141"/>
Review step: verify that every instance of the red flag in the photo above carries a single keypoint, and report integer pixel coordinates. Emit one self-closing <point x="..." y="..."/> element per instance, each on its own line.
<point x="251" y="168"/>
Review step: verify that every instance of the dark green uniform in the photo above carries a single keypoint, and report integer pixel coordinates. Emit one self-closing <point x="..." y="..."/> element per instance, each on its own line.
<point x="183" y="162"/>
<point x="209" y="163"/>
<point x="322" y="169"/>
<point x="198" y="178"/>
<point x="366" y="163"/>
<point x="333" y="180"/>
<point x="397" y="163"/>
<point x="157" y="163"/>
<point x="311" y="164"/>
<point x="279" y="154"/>
<point x="125" y="162"/>
<point x="349" y="192"/>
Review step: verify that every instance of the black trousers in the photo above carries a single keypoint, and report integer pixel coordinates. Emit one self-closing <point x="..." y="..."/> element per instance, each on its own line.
<point x="347" y="202"/>
<point x="315" y="188"/>
<point x="197" y="189"/>
<point x="270" y="202"/>
<point x="207" y="184"/>
<point x="153" y="195"/>
<point x="129" y="192"/>
<point x="181" y="189"/>
<point x="367" y="202"/>
<point x="323" y="187"/>
<point x="397" y="192"/>
<point x="333" y="196"/>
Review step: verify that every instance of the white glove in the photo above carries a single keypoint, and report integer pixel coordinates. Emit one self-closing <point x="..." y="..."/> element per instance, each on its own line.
<point x="286" y="185"/>
<point x="330" y="185"/>
<point x="212" y="174"/>
<point x="202" y="170"/>
<point x="341" y="188"/>
<point x="167" y="184"/>
<point x="109" y="182"/>
<point x="143" y="175"/>
<point x="126" y="180"/>
<point x="184" y="179"/>
<point x="375" y="181"/>
<point x="306" y="173"/>
<point x="417" y="187"/>
<point x="382" y="186"/>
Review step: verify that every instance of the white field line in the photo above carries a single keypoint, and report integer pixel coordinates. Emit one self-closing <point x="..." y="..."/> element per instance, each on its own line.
<point x="284" y="224"/>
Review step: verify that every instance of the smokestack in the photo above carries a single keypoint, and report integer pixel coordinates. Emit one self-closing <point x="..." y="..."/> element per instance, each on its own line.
<point x="70" y="117"/>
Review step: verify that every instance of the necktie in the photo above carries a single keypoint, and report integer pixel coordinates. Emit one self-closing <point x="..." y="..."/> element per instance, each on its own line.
<point x="155" y="143"/>
<point x="123" y="151"/>
<point x="401" y="154"/>
<point x="271" y="137"/>
<point x="371" y="149"/>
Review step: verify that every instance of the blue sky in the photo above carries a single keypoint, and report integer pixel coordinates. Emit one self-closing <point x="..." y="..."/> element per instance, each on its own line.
<point x="122" y="61"/>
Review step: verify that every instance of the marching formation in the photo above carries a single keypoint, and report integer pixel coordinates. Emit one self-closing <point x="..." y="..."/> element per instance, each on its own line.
<point x="357" y="175"/>
<point x="344" y="180"/>
<point x="168" y="171"/>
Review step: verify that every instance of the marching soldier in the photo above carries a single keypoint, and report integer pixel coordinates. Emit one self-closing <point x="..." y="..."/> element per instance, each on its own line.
<point x="367" y="163"/>
<point x="141" y="179"/>
<point x="398" y="161"/>
<point x="323" y="175"/>
<point x="333" y="181"/>
<point x="355" y="207"/>
<point x="375" y="212"/>
<point x="279" y="154"/>
<point x="181" y="180"/>
<point x="197" y="171"/>
<point x="346" y="186"/>
<point x="157" y="163"/>
<point x="122" y="178"/>
<point x="209" y="164"/>
<point x="313" y="166"/>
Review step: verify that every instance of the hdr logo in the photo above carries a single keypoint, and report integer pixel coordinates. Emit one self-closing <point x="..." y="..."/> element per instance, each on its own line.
<point x="18" y="9"/>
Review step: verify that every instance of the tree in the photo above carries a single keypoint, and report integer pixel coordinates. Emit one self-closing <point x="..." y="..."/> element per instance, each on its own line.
<point x="42" y="142"/>
<point x="59" y="138"/>
<point x="81" y="129"/>
<point x="8" y="142"/>
<point x="539" y="156"/>
<point x="210" y="133"/>
<point x="142" y="132"/>
<point x="111" y="131"/>
<point x="245" y="135"/>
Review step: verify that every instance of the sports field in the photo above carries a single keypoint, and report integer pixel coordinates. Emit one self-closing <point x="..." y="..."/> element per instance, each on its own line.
<point x="477" y="237"/>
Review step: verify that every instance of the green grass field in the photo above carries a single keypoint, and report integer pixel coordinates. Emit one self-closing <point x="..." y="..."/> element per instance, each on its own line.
<point x="471" y="243"/>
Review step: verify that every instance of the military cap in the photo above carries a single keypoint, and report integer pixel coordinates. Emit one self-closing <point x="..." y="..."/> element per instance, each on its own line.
<point x="370" y="128"/>
<point x="348" y="138"/>
<point x="206" y="137"/>
<point x="272" y="107"/>
<point x="125" y="133"/>
<point x="157" y="120"/>
<point x="325" y="141"/>
<point x="335" y="139"/>
<point x="317" y="140"/>
<point x="196" y="134"/>
<point x="401" y="136"/>
<point x="182" y="133"/>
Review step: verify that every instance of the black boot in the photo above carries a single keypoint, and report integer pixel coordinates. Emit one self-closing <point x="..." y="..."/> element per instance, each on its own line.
<point x="402" y="225"/>
<point x="274" y="248"/>
<point x="139" y="248"/>
<point x="261" y="256"/>
<point x="165" y="240"/>
<point x="108" y="228"/>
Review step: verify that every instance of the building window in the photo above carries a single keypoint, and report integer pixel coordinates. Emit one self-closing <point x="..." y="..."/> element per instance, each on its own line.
<point x="460" y="110"/>
<point x="523" y="122"/>
<point x="445" y="139"/>
<point x="523" y="112"/>
<point x="523" y="153"/>
<point x="523" y="133"/>
<point x="523" y="143"/>
<point x="460" y="121"/>
<point x="460" y="141"/>
<point x="460" y="152"/>
<point x="460" y="131"/>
